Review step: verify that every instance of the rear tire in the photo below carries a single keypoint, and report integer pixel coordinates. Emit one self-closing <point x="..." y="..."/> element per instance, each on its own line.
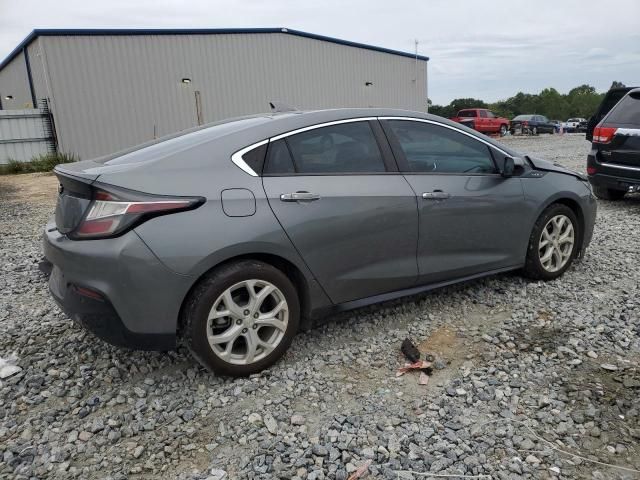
<point x="229" y="322"/>
<point x="553" y="243"/>
<point x="608" y="193"/>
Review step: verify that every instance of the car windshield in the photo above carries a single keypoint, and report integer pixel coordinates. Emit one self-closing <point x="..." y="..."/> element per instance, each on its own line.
<point x="467" y="113"/>
<point x="524" y="117"/>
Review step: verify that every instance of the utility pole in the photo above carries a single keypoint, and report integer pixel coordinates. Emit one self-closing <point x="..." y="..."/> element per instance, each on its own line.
<point x="416" y="80"/>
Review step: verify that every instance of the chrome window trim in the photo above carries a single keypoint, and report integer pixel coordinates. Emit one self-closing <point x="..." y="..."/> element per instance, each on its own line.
<point x="621" y="167"/>
<point x="239" y="161"/>
<point x="424" y="120"/>
<point x="628" y="132"/>
<point x="320" y="125"/>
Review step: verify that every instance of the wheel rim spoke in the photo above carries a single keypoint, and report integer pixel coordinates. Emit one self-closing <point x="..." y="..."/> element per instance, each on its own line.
<point x="229" y="336"/>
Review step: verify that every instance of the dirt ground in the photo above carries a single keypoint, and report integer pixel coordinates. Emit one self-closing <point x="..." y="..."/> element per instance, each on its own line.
<point x="30" y="187"/>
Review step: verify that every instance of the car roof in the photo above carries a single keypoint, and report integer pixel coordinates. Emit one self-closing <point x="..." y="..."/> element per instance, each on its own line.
<point x="241" y="132"/>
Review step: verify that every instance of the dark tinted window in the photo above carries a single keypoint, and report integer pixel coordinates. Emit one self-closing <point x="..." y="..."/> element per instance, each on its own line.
<point x="279" y="161"/>
<point x="431" y="148"/>
<point x="343" y="148"/>
<point x="627" y="111"/>
<point x="611" y="98"/>
<point x="255" y="158"/>
<point x="467" y="113"/>
<point x="483" y="114"/>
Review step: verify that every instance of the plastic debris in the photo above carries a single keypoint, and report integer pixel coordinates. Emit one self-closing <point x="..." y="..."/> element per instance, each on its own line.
<point x="411" y="352"/>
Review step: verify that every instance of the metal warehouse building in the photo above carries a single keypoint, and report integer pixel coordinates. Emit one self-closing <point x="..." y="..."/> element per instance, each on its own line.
<point x="111" y="89"/>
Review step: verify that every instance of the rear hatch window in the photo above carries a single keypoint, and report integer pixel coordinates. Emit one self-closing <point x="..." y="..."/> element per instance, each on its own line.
<point x="627" y="111"/>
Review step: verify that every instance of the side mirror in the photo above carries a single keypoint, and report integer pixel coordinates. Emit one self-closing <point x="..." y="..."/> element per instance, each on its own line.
<point x="508" y="167"/>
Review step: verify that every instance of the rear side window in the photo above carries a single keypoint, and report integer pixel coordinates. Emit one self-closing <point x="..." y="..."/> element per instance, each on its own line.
<point x="431" y="148"/>
<point x="342" y="148"/>
<point x="626" y="111"/>
<point x="279" y="161"/>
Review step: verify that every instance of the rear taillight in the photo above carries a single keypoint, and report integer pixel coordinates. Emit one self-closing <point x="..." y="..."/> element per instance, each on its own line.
<point x="113" y="211"/>
<point x="592" y="170"/>
<point x="602" y="134"/>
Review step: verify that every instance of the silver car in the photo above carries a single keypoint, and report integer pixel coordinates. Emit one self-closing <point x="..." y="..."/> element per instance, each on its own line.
<point x="231" y="237"/>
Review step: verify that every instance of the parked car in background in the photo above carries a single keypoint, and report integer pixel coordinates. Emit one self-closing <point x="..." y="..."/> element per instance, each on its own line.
<point x="482" y="120"/>
<point x="231" y="236"/>
<point x="531" y="124"/>
<point x="582" y="126"/>
<point x="613" y="164"/>
<point x="612" y="97"/>
<point x="573" y="124"/>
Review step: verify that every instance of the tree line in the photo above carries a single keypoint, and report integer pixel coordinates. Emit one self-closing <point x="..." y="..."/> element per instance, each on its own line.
<point x="581" y="101"/>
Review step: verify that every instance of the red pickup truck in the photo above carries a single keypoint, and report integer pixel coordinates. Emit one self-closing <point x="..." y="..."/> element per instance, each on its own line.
<point x="482" y="120"/>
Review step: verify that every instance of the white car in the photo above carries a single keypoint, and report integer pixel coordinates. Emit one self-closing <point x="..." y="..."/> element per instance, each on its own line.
<point x="572" y="124"/>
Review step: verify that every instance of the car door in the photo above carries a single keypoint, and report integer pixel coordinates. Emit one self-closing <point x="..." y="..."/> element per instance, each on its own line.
<point x="471" y="218"/>
<point x="337" y="193"/>
<point x="492" y="122"/>
<point x="483" y="121"/>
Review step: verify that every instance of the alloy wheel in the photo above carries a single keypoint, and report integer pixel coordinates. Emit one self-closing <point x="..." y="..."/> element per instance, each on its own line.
<point x="556" y="243"/>
<point x="247" y="322"/>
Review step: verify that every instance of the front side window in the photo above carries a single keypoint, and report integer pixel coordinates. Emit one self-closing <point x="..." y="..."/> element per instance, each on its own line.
<point x="490" y="114"/>
<point x="483" y="113"/>
<point x="431" y="148"/>
<point x="343" y="148"/>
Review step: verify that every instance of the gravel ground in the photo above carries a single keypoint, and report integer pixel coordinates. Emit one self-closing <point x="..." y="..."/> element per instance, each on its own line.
<point x="524" y="370"/>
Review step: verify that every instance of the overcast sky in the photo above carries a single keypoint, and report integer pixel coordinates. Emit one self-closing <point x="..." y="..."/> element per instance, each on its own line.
<point x="486" y="50"/>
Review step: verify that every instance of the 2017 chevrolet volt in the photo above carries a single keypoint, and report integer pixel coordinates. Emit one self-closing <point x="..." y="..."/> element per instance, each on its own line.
<point x="231" y="237"/>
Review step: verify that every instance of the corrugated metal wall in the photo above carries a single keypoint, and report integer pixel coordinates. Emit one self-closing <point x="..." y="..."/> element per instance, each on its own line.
<point x="14" y="83"/>
<point x="112" y="92"/>
<point x="23" y="135"/>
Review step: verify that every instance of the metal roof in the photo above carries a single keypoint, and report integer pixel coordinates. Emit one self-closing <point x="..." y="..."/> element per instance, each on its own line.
<point x="56" y="32"/>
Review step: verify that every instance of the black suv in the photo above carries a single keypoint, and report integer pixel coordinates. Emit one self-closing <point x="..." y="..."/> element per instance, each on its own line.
<point x="613" y="164"/>
<point x="612" y="97"/>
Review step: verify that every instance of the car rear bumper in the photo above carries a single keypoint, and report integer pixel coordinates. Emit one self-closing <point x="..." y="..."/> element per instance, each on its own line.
<point x="614" y="176"/>
<point x="116" y="288"/>
<point x="614" y="182"/>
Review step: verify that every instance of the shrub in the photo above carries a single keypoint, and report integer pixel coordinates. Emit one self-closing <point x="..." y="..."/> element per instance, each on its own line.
<point x="42" y="163"/>
<point x="14" y="166"/>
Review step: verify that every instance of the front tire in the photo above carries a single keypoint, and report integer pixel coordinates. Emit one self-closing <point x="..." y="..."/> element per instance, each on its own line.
<point x="608" y="193"/>
<point x="553" y="243"/>
<point x="241" y="318"/>
<point x="503" y="130"/>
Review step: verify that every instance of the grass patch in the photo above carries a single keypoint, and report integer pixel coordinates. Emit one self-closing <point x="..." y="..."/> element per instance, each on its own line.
<point x="41" y="163"/>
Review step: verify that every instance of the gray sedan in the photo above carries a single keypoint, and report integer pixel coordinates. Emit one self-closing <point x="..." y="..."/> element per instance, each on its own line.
<point x="231" y="237"/>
